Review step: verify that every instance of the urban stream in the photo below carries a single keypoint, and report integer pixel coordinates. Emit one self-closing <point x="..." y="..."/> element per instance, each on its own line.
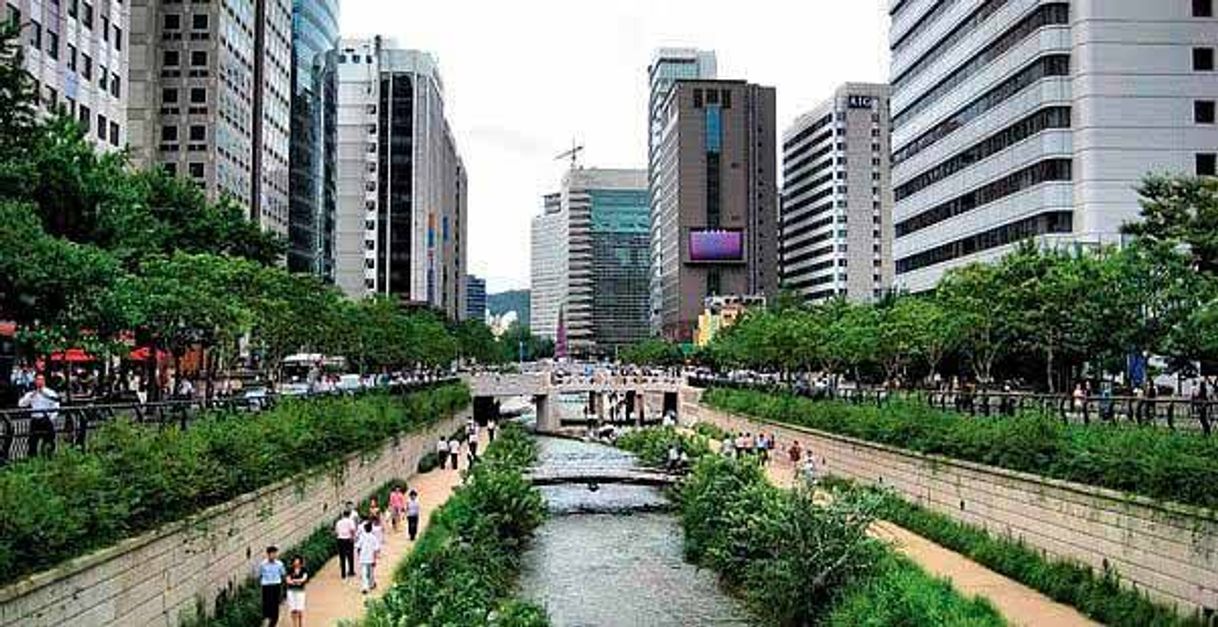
<point x="613" y="556"/>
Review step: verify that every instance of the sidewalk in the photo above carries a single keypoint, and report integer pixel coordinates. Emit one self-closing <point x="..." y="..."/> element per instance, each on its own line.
<point x="330" y="599"/>
<point x="1018" y="604"/>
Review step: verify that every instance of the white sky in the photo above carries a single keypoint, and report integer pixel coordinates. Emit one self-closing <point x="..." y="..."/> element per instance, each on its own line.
<point x="523" y="78"/>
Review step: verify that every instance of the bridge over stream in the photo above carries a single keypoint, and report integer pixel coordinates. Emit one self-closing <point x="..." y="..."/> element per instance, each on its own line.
<point x="600" y="475"/>
<point x="610" y="398"/>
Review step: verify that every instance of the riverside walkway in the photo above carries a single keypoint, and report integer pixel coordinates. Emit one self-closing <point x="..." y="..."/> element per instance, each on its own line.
<point x="331" y="600"/>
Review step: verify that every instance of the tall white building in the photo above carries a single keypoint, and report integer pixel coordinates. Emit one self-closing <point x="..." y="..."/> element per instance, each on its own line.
<point x="76" y="52"/>
<point x="836" y="209"/>
<point x="548" y="267"/>
<point x="401" y="218"/>
<point x="668" y="65"/>
<point x="1015" y="119"/>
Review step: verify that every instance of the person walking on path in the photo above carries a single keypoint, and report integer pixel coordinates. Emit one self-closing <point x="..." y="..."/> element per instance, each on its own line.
<point x="45" y="405"/>
<point x="270" y="576"/>
<point x="795" y="453"/>
<point x="454" y="451"/>
<point x="442" y="452"/>
<point x="491" y="425"/>
<point x="369" y="549"/>
<point x="413" y="509"/>
<point x="471" y="430"/>
<point x="296" y="579"/>
<point x="344" y="537"/>
<point x="397" y="505"/>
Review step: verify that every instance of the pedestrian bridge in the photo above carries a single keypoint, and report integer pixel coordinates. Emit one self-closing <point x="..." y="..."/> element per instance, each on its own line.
<point x="626" y="476"/>
<point x="547" y="383"/>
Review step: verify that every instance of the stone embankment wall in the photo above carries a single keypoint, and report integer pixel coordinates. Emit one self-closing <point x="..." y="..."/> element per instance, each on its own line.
<point x="1168" y="550"/>
<point x="165" y="576"/>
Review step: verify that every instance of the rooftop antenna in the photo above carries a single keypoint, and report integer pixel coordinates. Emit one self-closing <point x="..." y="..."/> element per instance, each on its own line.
<point x="573" y="154"/>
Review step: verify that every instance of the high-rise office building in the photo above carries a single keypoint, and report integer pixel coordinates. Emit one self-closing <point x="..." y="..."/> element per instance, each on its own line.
<point x="210" y="98"/>
<point x="548" y="266"/>
<point x="400" y="227"/>
<point x="836" y="210"/>
<point x="599" y="224"/>
<point x="1017" y="119"/>
<point x="714" y="213"/>
<point x="76" y="53"/>
<point x="667" y="66"/>
<point x="313" y="142"/>
<point x="475" y="298"/>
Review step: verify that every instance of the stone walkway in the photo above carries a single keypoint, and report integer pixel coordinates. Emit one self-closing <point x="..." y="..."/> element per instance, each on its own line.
<point x="330" y="599"/>
<point x="1018" y="604"/>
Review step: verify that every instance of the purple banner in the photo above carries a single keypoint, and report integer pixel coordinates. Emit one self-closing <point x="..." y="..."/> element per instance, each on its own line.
<point x="711" y="246"/>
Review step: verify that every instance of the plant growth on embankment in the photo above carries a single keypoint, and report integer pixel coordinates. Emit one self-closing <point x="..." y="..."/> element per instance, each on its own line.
<point x="464" y="567"/>
<point x="798" y="558"/>
<point x="1148" y="461"/>
<point x="132" y="478"/>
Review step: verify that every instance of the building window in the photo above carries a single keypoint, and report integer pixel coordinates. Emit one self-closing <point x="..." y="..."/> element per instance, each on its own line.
<point x="71" y="57"/>
<point x="52" y="44"/>
<point x="118" y="38"/>
<point x="101" y="126"/>
<point x="198" y="133"/>
<point x="169" y="95"/>
<point x="35" y="35"/>
<point x="86" y="67"/>
<point x="169" y="133"/>
<point x="1203" y="8"/>
<point x="103" y="77"/>
<point x="172" y="21"/>
<point x="1203" y="59"/>
<point x="170" y="168"/>
<point x="105" y="28"/>
<point x="1203" y="111"/>
<point x="86" y="118"/>
<point x="115" y="88"/>
<point x="86" y="14"/>
<point x="198" y="58"/>
<point x="198" y="95"/>
<point x="114" y="133"/>
<point x="197" y="170"/>
<point x="713" y="282"/>
<point x="198" y="21"/>
<point x="169" y="58"/>
<point x="1207" y="164"/>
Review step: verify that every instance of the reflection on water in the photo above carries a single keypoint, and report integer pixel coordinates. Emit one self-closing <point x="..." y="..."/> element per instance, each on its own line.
<point x="592" y="564"/>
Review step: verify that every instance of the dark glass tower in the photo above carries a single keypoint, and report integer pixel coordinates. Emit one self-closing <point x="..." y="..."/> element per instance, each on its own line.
<point x="313" y="167"/>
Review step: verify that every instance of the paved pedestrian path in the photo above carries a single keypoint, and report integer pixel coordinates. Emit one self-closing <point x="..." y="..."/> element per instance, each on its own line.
<point x="1018" y="604"/>
<point x="330" y="599"/>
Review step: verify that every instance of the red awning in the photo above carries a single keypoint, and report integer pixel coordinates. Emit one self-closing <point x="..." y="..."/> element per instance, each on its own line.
<point x="144" y="352"/>
<point x="72" y="356"/>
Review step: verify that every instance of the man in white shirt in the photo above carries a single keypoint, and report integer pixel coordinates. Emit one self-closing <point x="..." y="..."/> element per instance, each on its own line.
<point x="368" y="548"/>
<point x="344" y="536"/>
<point x="45" y="405"/>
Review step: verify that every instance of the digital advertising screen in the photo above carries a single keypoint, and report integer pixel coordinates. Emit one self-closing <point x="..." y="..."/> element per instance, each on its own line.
<point x="716" y="246"/>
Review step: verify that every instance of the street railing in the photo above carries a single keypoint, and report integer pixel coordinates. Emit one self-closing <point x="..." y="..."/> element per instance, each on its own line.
<point x="26" y="432"/>
<point x="1177" y="414"/>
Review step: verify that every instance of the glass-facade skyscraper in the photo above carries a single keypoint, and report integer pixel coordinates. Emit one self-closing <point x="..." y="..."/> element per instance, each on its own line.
<point x="312" y="200"/>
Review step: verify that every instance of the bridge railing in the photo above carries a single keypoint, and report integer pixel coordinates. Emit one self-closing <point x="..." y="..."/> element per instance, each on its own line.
<point x="1177" y="414"/>
<point x="25" y="432"/>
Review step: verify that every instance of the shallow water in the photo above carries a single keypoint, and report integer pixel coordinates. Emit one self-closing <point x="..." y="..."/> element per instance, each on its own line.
<point x="606" y="557"/>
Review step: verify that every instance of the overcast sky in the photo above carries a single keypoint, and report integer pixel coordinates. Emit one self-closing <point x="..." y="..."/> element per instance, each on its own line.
<point x="523" y="78"/>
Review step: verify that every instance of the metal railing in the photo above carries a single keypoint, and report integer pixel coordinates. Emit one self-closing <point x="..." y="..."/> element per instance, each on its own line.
<point x="1177" y="414"/>
<point x="26" y="432"/>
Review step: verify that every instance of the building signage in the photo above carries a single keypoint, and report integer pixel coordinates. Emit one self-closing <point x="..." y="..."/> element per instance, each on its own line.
<point x="859" y="102"/>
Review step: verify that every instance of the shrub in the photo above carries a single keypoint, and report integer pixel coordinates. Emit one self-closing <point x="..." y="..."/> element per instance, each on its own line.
<point x="464" y="566"/>
<point x="1145" y="460"/>
<point x="794" y="555"/>
<point x="134" y="477"/>
<point x="651" y="444"/>
<point x="429" y="462"/>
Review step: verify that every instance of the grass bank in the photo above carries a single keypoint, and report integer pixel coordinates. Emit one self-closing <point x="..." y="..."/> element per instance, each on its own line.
<point x="798" y="559"/>
<point x="464" y="567"/>
<point x="1143" y="460"/>
<point x="133" y="478"/>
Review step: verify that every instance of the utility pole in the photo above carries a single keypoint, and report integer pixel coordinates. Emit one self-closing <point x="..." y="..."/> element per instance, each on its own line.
<point x="573" y="154"/>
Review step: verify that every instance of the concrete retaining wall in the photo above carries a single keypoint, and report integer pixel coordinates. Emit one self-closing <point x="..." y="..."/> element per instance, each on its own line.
<point x="1169" y="551"/>
<point x="163" y="576"/>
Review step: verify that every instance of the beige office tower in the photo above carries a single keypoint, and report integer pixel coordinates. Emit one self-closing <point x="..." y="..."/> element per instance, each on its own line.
<point x="210" y="89"/>
<point x="401" y="218"/>
<point x="836" y="210"/>
<point x="76" y="53"/>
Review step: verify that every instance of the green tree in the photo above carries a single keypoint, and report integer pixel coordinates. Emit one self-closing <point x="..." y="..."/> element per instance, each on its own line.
<point x="653" y="352"/>
<point x="976" y="295"/>
<point x="1181" y="210"/>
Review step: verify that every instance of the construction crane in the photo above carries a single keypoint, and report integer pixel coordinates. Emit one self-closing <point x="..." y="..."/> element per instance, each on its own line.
<point x="573" y="154"/>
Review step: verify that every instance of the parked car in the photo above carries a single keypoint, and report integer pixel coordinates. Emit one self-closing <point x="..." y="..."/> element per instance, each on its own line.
<point x="256" y="398"/>
<point x="349" y="384"/>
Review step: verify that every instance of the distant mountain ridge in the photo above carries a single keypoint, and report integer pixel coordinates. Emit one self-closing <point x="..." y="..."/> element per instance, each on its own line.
<point x="512" y="300"/>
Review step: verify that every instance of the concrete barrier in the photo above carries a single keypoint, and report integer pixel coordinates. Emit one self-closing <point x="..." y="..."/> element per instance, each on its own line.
<point x="1168" y="550"/>
<point x="167" y="575"/>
